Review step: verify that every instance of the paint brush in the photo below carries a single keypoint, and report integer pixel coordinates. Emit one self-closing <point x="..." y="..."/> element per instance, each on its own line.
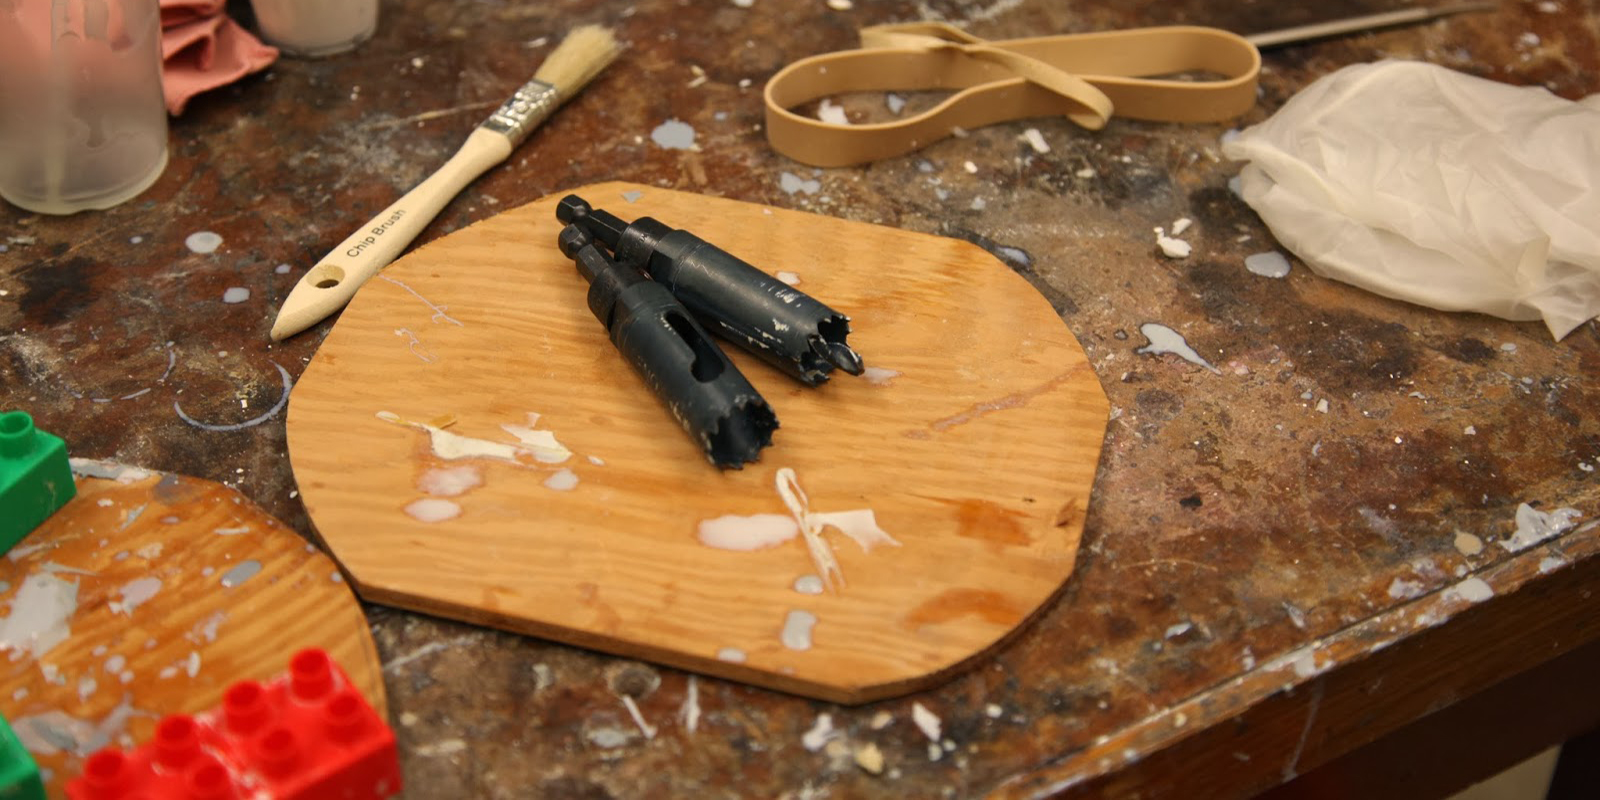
<point x="330" y="284"/>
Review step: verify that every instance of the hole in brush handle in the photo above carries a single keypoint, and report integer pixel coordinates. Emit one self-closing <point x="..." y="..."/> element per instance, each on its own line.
<point x="326" y="276"/>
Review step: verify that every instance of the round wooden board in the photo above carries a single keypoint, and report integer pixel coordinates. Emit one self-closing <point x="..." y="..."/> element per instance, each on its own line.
<point x="977" y="456"/>
<point x="151" y="627"/>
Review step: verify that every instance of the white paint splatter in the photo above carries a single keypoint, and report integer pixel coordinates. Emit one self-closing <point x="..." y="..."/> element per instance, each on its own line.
<point x="1402" y="589"/>
<point x="282" y="269"/>
<point x="633" y="196"/>
<point x="19" y="553"/>
<point x="797" y="627"/>
<point x="233" y="531"/>
<point x="207" y="628"/>
<point x="993" y="711"/>
<point x="1174" y="631"/>
<point x="832" y="114"/>
<point x="878" y="376"/>
<point x="894" y="102"/>
<point x="673" y="135"/>
<point x="109" y="470"/>
<point x="236" y="294"/>
<point x="861" y="525"/>
<point x="791" y="183"/>
<point x="645" y="728"/>
<point x="1467" y="544"/>
<point x="1166" y="340"/>
<point x="820" y="734"/>
<point x="926" y="721"/>
<point x="1170" y="247"/>
<point x="789" y="277"/>
<point x="1296" y="616"/>
<point x="1304" y="661"/>
<point x="135" y="594"/>
<point x="203" y="242"/>
<point x="689" y="713"/>
<point x="1535" y="526"/>
<point x="732" y="655"/>
<point x="745" y="534"/>
<point x="243" y="571"/>
<point x="808" y="584"/>
<point x="1550" y="564"/>
<point x="1181" y="225"/>
<point x="443" y="747"/>
<point x="1271" y="264"/>
<point x="432" y="509"/>
<point x="450" y="481"/>
<point x="542" y="444"/>
<point x="40" y="615"/>
<point x="191" y="667"/>
<point x="55" y="732"/>
<point x="451" y="446"/>
<point x="1035" y="139"/>
<point x="1473" y="590"/>
<point x="564" y="480"/>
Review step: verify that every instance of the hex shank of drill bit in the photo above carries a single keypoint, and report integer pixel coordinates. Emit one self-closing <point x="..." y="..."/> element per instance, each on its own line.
<point x="771" y="319"/>
<point x="680" y="363"/>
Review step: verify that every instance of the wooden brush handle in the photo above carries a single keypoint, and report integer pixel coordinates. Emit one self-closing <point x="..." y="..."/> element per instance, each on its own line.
<point x="330" y="284"/>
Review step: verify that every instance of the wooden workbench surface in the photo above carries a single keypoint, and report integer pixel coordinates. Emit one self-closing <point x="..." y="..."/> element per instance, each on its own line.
<point x="1283" y="560"/>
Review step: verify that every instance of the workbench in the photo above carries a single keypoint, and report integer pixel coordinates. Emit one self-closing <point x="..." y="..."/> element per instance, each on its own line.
<point x="1297" y="566"/>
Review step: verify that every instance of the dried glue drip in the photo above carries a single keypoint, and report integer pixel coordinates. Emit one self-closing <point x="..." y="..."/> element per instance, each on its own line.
<point x="861" y="525"/>
<point x="821" y="554"/>
<point x="734" y="532"/>
<point x="452" y="446"/>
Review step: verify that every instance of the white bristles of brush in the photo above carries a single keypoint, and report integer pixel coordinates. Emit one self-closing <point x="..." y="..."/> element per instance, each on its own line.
<point x="329" y="285"/>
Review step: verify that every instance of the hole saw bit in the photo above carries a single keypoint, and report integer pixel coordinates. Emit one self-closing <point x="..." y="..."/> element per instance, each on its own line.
<point x="774" y="321"/>
<point x="677" y="359"/>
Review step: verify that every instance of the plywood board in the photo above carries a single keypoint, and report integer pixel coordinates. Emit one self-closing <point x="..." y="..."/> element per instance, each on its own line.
<point x="975" y="447"/>
<point x="149" y="595"/>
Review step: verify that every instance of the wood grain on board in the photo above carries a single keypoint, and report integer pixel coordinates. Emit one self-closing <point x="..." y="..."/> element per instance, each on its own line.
<point x="168" y="589"/>
<point x="976" y="450"/>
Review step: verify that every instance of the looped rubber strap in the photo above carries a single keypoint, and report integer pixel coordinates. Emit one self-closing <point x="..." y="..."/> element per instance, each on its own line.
<point x="1086" y="77"/>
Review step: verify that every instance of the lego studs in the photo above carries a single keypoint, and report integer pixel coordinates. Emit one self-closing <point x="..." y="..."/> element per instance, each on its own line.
<point x="304" y="736"/>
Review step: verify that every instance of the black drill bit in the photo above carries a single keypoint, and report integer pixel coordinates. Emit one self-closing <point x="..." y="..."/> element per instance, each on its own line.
<point x="773" y="320"/>
<point x="678" y="360"/>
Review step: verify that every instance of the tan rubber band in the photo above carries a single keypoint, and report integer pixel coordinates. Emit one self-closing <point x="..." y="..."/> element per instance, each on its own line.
<point x="1086" y="77"/>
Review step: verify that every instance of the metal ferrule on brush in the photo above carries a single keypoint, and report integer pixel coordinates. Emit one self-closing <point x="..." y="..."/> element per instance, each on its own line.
<point x="523" y="111"/>
<point x="677" y="359"/>
<point x="772" y="320"/>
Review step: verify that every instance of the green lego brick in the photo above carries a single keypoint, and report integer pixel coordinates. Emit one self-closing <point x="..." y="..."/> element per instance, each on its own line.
<point x="35" y="478"/>
<point x="19" y="776"/>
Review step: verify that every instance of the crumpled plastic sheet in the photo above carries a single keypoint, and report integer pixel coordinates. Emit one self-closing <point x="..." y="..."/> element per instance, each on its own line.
<point x="1438" y="188"/>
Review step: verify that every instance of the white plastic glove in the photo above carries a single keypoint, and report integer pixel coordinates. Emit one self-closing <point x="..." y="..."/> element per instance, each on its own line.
<point x="1431" y="186"/>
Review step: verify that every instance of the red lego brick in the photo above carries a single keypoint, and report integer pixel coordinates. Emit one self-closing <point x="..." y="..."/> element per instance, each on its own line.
<point x="307" y="735"/>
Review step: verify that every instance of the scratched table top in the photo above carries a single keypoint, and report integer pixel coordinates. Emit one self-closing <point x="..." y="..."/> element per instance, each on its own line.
<point x="1285" y="559"/>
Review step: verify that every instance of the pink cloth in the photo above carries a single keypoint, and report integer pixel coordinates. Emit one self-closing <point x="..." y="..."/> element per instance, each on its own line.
<point x="202" y="49"/>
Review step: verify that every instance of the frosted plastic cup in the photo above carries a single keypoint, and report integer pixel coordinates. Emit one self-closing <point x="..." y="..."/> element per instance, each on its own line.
<point x="83" y="124"/>
<point x="314" y="28"/>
